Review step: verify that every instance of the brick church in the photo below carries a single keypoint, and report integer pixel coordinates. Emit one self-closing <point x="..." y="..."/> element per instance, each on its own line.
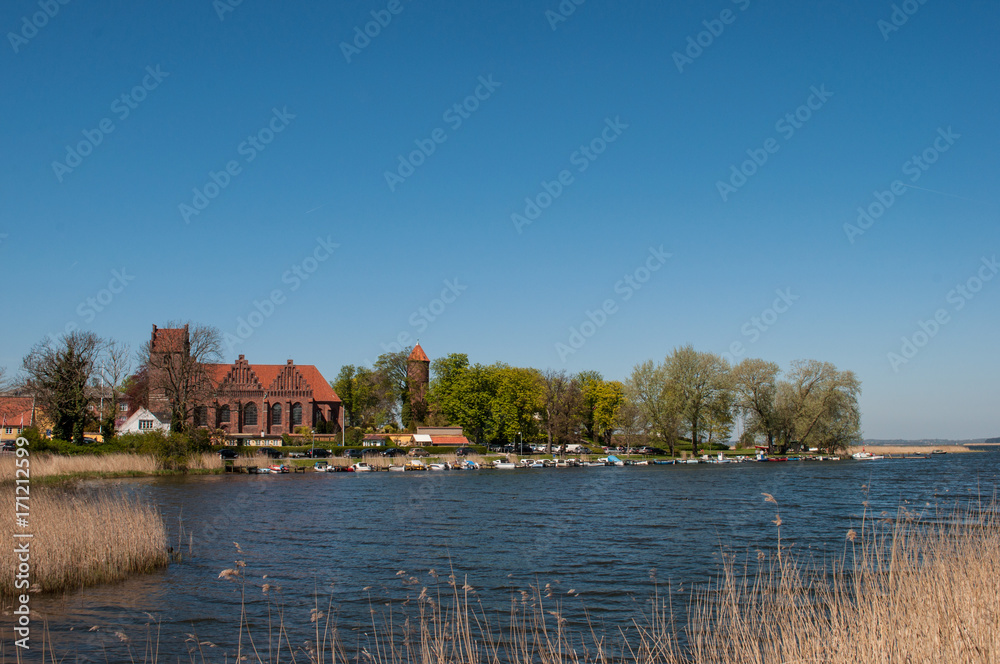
<point x="251" y="401"/>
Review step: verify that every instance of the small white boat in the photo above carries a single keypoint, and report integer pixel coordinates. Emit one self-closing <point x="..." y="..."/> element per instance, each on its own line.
<point x="467" y="465"/>
<point x="396" y="469"/>
<point x="438" y="466"/>
<point x="361" y="467"/>
<point x="866" y="456"/>
<point x="504" y="465"/>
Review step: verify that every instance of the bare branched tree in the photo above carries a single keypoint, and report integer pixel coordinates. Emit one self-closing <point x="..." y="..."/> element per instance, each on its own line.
<point x="180" y="375"/>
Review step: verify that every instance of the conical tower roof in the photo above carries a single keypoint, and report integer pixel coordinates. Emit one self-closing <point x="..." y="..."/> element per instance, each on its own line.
<point x="419" y="355"/>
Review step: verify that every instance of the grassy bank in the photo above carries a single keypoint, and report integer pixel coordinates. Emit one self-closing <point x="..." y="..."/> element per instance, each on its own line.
<point x="82" y="539"/>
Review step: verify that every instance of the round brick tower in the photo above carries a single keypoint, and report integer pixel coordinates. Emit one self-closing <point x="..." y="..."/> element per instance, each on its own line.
<point x="418" y="375"/>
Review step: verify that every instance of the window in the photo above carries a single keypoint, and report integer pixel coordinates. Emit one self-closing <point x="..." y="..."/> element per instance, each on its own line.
<point x="276" y="414"/>
<point x="123" y="407"/>
<point x="223" y="414"/>
<point x="145" y="425"/>
<point x="201" y="416"/>
<point x="9" y="430"/>
<point x="250" y="415"/>
<point x="296" y="414"/>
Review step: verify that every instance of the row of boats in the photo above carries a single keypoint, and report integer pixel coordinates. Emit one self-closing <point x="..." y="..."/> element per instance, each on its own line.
<point x="610" y="460"/>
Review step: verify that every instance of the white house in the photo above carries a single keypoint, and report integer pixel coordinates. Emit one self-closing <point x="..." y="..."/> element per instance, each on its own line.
<point x="144" y="420"/>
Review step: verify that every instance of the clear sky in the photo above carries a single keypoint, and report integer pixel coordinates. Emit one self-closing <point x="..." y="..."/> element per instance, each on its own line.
<point x="190" y="160"/>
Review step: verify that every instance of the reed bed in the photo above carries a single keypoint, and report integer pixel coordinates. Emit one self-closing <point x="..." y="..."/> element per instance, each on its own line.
<point x="81" y="538"/>
<point x="909" y="449"/>
<point x="47" y="465"/>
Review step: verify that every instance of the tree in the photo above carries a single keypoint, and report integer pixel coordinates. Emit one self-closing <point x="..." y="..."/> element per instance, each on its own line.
<point x="516" y="400"/>
<point x="562" y="406"/>
<point x="181" y="376"/>
<point x="649" y="389"/>
<point x="588" y="382"/>
<point x="700" y="382"/>
<point x="58" y="374"/>
<point x="114" y="373"/>
<point x="819" y="406"/>
<point x="343" y="385"/>
<point x="473" y="401"/>
<point x="755" y="386"/>
<point x="604" y="399"/>
<point x="393" y="369"/>
<point x="374" y="397"/>
<point x="442" y="397"/>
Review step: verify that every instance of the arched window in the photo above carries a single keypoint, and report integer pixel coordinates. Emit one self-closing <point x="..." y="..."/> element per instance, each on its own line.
<point x="201" y="416"/>
<point x="276" y="414"/>
<point x="318" y="417"/>
<point x="296" y="414"/>
<point x="223" y="414"/>
<point x="250" y="414"/>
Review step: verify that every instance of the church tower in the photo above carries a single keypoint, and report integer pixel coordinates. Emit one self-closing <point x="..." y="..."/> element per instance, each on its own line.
<point x="418" y="375"/>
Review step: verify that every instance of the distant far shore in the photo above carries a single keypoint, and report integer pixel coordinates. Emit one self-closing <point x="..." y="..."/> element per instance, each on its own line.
<point x="886" y="448"/>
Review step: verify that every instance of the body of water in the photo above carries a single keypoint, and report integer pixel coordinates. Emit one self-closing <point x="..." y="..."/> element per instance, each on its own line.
<point x="601" y="538"/>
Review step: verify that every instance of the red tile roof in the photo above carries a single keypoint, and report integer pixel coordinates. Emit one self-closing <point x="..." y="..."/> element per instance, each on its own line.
<point x="268" y="373"/>
<point x="14" y="410"/>
<point x="419" y="354"/>
<point x="450" y="440"/>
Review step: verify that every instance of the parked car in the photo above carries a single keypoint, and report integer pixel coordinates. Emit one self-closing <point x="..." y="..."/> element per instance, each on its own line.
<point x="419" y="452"/>
<point x="228" y="454"/>
<point x="354" y="454"/>
<point x="393" y="452"/>
<point x="317" y="453"/>
<point x="270" y="452"/>
<point x="8" y="446"/>
<point x="462" y="451"/>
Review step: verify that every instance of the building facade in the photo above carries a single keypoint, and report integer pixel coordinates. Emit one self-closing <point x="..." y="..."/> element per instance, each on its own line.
<point x="250" y="403"/>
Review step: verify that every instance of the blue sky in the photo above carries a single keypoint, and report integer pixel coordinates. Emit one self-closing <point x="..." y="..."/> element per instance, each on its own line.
<point x="309" y="129"/>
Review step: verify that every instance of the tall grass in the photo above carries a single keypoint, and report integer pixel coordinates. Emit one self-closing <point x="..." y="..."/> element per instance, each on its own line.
<point x="46" y="465"/>
<point x="81" y="539"/>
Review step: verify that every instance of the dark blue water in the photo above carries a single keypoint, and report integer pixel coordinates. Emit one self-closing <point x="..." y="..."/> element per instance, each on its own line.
<point x="597" y="536"/>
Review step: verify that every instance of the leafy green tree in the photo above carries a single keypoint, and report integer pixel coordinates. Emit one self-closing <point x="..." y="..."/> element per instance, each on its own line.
<point x="819" y="406"/>
<point x="442" y="397"/>
<point x="473" y="402"/>
<point x="755" y="387"/>
<point x="649" y="388"/>
<point x="605" y="401"/>
<point x="589" y="382"/>
<point x="516" y="401"/>
<point x="343" y="385"/>
<point x="700" y="383"/>
<point x="393" y="369"/>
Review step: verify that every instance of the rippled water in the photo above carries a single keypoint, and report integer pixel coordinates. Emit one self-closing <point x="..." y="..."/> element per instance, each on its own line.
<point x="599" y="532"/>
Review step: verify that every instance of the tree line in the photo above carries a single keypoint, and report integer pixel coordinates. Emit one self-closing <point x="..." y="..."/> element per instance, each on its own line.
<point x="690" y="395"/>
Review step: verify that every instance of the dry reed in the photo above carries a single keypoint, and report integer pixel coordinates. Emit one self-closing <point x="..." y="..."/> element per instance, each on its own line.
<point x="47" y="465"/>
<point x="82" y="539"/>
